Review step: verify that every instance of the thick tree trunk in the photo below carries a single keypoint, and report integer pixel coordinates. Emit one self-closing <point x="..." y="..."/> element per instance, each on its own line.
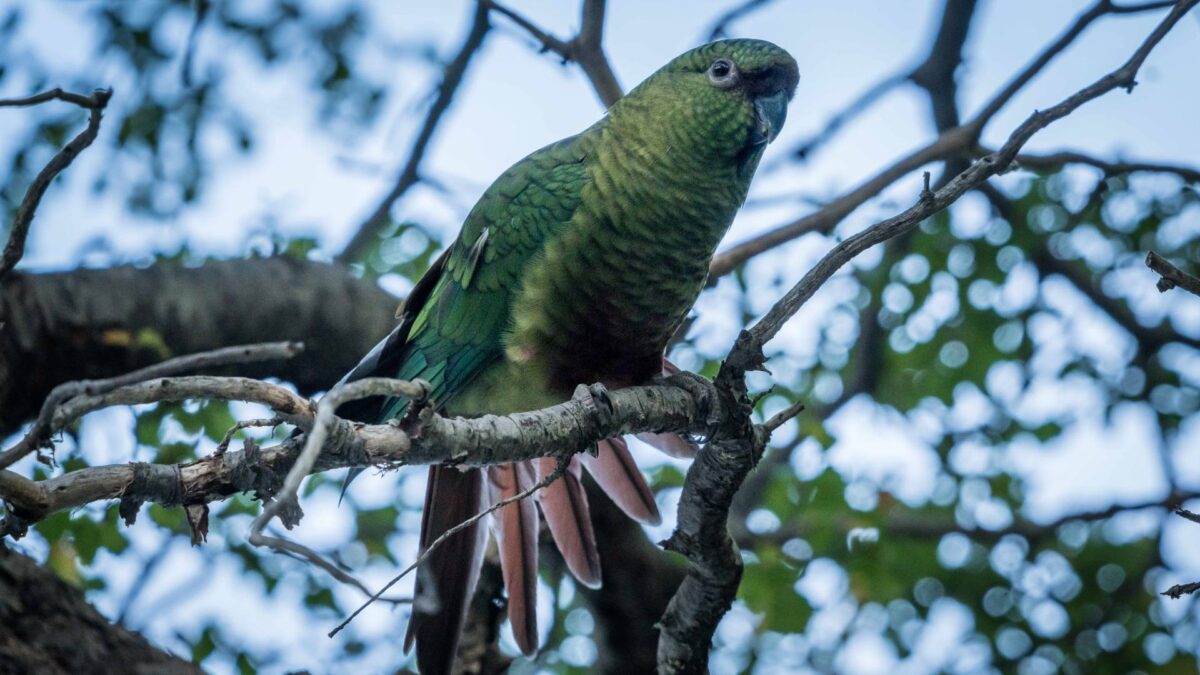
<point x="47" y="627"/>
<point x="100" y="323"/>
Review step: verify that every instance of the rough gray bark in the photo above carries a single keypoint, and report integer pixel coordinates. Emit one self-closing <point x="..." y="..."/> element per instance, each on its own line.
<point x="88" y="324"/>
<point x="47" y="627"/>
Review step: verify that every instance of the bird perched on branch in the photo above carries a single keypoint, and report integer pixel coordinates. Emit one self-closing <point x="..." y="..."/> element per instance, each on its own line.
<point x="576" y="266"/>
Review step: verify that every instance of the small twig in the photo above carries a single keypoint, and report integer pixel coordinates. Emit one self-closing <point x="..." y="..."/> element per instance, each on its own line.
<point x="584" y="49"/>
<point x="548" y="479"/>
<point x="1056" y="160"/>
<point x="780" y="418"/>
<point x="324" y="425"/>
<point x="19" y="232"/>
<point x="98" y="99"/>
<point x="43" y="426"/>
<point x="189" y="53"/>
<point x="245" y="424"/>
<point x="304" y="553"/>
<point x="452" y="78"/>
<point x="1184" y="513"/>
<point x="859" y="105"/>
<point x="1179" y="590"/>
<point x="1171" y="275"/>
<point x="720" y="27"/>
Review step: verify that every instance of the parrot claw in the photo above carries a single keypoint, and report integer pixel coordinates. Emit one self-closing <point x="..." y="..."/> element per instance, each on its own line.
<point x="597" y="395"/>
<point x="704" y="391"/>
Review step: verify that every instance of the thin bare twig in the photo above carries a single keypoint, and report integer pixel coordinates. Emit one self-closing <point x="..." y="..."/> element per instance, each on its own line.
<point x="19" y="232"/>
<point x="326" y="424"/>
<point x="585" y="49"/>
<point x="720" y="27"/>
<point x="1171" y="275"/>
<point x="1057" y="160"/>
<point x="780" y="418"/>
<point x="548" y="479"/>
<point x="246" y="424"/>
<point x="43" y="426"/>
<point x="1179" y="590"/>
<point x="410" y="175"/>
<point x="306" y="554"/>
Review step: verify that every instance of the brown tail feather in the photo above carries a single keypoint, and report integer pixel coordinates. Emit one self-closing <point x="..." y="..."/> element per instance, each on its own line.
<point x="516" y="533"/>
<point x="565" y="506"/>
<point x="617" y="474"/>
<point x="670" y="443"/>
<point x="452" y="496"/>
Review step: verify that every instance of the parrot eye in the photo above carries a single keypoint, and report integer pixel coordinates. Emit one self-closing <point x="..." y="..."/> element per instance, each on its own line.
<point x="723" y="73"/>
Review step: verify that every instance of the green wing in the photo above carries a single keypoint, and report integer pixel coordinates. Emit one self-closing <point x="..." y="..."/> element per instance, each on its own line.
<point x="453" y="324"/>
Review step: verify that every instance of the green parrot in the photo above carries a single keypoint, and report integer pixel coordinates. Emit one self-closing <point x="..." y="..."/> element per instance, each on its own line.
<point x="576" y="266"/>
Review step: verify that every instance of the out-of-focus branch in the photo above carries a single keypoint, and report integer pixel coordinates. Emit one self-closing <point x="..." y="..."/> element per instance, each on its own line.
<point x="96" y="324"/>
<point x="452" y="78"/>
<point x="586" y="48"/>
<point x="860" y="104"/>
<point x="1057" y="160"/>
<point x="1171" y="275"/>
<point x="19" y="232"/>
<point x="936" y="74"/>
<point x="720" y="27"/>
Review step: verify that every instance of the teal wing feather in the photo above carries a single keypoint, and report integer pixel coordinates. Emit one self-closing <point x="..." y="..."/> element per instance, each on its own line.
<point x="454" y="328"/>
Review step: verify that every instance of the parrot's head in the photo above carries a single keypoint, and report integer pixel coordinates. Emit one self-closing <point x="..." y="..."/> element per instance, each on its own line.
<point x="725" y="100"/>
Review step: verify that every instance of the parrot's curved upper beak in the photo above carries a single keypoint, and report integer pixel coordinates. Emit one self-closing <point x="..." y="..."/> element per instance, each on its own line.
<point x="770" y="112"/>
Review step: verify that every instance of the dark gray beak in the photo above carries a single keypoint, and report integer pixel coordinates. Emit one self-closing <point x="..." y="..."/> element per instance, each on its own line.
<point x="770" y="112"/>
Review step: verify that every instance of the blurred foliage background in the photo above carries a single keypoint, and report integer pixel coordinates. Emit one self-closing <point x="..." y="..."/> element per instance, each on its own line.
<point x="894" y="524"/>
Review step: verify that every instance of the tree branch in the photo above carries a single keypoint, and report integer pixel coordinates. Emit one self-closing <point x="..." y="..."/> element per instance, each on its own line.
<point x="69" y="401"/>
<point x="17" y="234"/>
<point x="452" y="78"/>
<point x="1171" y="275"/>
<point x="96" y="324"/>
<point x="1057" y="160"/>
<point x="560" y="430"/>
<point x="585" y="49"/>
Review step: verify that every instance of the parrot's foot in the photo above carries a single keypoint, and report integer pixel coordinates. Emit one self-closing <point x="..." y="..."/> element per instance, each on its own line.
<point x="704" y="392"/>
<point x="596" y="396"/>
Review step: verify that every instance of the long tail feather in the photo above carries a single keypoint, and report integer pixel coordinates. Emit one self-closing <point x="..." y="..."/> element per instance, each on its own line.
<point x="565" y="506"/>
<point x="617" y="474"/>
<point x="517" y="533"/>
<point x="670" y="443"/>
<point x="452" y="497"/>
